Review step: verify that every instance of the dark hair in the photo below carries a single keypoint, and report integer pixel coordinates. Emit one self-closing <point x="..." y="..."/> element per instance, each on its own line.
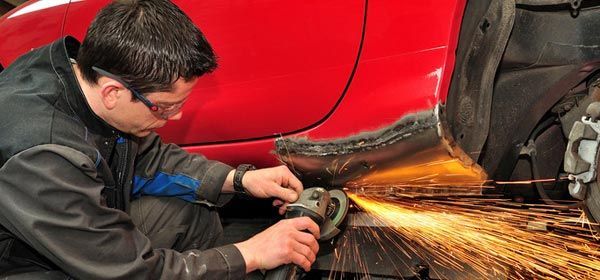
<point x="149" y="43"/>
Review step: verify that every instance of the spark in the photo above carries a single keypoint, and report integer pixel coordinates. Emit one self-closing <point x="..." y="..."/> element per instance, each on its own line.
<point x="527" y="182"/>
<point x="481" y="237"/>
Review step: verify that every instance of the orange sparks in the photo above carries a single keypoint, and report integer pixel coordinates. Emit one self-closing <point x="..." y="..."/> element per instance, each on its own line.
<point x="526" y="182"/>
<point x="433" y="166"/>
<point x="488" y="238"/>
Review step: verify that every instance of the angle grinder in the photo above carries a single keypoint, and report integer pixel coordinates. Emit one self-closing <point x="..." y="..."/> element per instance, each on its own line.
<point x="327" y="208"/>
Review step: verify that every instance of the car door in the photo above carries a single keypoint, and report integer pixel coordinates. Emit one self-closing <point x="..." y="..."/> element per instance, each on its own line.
<point x="283" y="65"/>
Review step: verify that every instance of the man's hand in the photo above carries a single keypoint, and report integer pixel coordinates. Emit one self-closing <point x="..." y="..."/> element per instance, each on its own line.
<point x="283" y="243"/>
<point x="278" y="182"/>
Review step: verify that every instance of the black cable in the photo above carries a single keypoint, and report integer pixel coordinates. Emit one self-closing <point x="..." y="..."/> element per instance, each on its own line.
<point x="539" y="186"/>
<point x="534" y="166"/>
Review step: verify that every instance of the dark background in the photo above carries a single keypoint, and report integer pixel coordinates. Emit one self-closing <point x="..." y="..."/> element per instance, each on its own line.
<point x="7" y="5"/>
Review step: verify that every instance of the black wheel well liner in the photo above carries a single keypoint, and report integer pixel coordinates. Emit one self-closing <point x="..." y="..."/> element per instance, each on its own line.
<point x="542" y="60"/>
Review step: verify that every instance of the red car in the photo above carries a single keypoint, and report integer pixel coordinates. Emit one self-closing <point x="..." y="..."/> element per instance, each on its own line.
<point x="361" y="93"/>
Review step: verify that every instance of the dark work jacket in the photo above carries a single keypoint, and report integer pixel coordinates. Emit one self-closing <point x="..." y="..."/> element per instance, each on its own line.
<point x="67" y="178"/>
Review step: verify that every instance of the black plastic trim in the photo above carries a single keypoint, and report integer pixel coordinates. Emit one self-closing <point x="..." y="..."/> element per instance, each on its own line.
<point x="484" y="35"/>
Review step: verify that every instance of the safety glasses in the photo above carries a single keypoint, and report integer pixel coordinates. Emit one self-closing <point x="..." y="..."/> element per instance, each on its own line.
<point x="164" y="111"/>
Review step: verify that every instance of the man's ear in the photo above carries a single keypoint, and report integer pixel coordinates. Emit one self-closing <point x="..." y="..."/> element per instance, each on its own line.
<point x="110" y="92"/>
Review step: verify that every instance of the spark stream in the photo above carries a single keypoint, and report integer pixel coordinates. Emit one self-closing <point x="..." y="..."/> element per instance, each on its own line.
<point x="485" y="238"/>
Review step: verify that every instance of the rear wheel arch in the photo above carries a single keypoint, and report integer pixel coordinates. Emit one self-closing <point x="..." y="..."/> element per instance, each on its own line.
<point x="524" y="77"/>
<point x="544" y="63"/>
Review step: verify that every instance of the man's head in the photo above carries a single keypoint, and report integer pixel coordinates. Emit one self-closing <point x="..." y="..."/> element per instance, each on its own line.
<point x="142" y="57"/>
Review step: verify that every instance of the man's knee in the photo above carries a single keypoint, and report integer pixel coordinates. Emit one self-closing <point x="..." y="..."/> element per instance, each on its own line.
<point x="174" y="223"/>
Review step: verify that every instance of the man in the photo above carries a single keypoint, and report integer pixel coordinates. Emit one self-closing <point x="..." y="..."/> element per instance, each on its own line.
<point x="89" y="191"/>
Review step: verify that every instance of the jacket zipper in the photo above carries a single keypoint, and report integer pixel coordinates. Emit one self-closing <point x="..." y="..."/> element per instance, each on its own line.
<point x="123" y="162"/>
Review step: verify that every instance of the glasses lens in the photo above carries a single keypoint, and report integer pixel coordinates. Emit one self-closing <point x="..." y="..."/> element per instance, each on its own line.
<point x="171" y="110"/>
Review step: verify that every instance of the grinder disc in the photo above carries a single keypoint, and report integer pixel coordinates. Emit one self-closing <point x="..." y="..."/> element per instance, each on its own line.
<point x="340" y="204"/>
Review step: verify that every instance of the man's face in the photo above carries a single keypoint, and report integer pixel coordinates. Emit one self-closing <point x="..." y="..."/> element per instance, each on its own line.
<point x="134" y="117"/>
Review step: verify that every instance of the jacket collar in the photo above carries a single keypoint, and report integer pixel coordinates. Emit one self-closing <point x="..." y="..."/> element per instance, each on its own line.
<point x="61" y="53"/>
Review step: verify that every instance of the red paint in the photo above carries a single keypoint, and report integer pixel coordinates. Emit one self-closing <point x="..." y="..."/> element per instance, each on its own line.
<point x="408" y="50"/>
<point x="20" y="31"/>
<point x="284" y="65"/>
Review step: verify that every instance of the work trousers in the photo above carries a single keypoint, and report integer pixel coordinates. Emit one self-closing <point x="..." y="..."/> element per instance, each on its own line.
<point x="167" y="222"/>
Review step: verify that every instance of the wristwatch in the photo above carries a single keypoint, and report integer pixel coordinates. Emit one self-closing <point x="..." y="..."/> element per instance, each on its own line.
<point x="237" y="177"/>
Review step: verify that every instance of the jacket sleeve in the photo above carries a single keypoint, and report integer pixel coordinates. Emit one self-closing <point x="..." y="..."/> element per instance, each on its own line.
<point x="51" y="199"/>
<point x="167" y="170"/>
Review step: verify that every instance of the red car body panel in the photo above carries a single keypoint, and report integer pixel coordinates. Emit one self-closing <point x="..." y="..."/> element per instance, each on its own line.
<point x="406" y="66"/>
<point x="33" y="24"/>
<point x="283" y="65"/>
<point x="297" y="69"/>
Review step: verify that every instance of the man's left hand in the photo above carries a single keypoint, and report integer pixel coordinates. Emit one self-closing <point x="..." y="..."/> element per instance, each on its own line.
<point x="278" y="182"/>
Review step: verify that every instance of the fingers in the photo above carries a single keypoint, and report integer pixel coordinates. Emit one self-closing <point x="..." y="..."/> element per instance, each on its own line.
<point x="277" y="182"/>
<point x="301" y="261"/>
<point x="277" y="202"/>
<point x="282" y="193"/>
<point x="285" y="242"/>
<point x="293" y="182"/>
<point x="309" y="240"/>
<point x="304" y="248"/>
<point x="282" y="209"/>
<point x="305" y="223"/>
<point x="282" y="206"/>
<point x="303" y="256"/>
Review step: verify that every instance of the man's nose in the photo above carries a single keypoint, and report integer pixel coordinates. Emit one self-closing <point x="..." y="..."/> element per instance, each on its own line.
<point x="176" y="116"/>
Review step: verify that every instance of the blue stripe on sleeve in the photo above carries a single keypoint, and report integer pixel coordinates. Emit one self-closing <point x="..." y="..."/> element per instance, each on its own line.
<point x="163" y="184"/>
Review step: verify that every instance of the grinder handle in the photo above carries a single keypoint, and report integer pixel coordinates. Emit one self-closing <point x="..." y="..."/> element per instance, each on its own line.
<point x="282" y="272"/>
<point x="288" y="271"/>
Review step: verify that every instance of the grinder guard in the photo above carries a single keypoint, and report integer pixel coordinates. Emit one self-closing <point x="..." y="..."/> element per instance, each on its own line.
<point x="327" y="208"/>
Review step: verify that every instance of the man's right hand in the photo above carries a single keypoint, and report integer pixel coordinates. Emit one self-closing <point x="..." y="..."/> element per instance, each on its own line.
<point x="283" y="243"/>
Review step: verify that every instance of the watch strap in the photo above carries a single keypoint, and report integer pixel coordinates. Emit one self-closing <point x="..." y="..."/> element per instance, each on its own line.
<point x="239" y="174"/>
